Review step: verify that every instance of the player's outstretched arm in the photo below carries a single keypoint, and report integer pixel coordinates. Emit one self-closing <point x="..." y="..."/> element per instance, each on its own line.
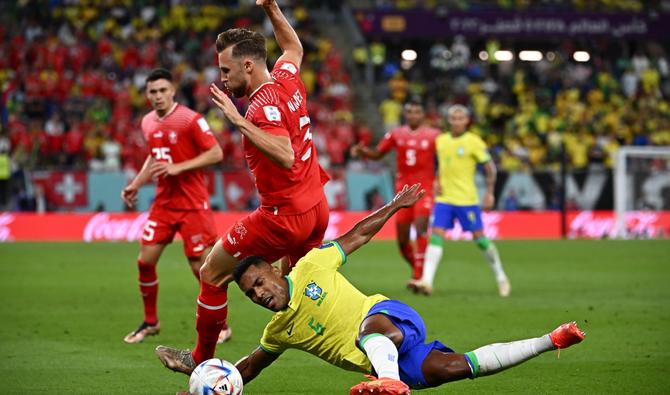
<point x="252" y="365"/>
<point x="286" y="37"/>
<point x="363" y="231"/>
<point x="129" y="193"/>
<point x="362" y="151"/>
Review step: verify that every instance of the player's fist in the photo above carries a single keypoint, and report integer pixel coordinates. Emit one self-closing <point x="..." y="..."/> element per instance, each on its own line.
<point x="408" y="195"/>
<point x="163" y="169"/>
<point x="129" y="196"/>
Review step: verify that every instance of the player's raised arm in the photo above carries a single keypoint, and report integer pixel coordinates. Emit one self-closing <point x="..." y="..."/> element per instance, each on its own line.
<point x="251" y="365"/>
<point x="286" y="37"/>
<point x="363" y="231"/>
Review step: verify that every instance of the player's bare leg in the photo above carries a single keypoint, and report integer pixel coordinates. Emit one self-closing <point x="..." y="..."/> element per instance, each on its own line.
<point x="380" y="339"/>
<point x="493" y="258"/>
<point x="148" y="281"/>
<point x="441" y="367"/>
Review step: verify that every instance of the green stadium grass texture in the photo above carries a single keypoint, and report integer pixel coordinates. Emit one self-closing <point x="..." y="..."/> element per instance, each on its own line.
<point x="65" y="308"/>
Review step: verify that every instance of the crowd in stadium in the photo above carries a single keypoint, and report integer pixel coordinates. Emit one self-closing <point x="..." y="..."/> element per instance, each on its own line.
<point x="72" y="85"/>
<point x="73" y="92"/>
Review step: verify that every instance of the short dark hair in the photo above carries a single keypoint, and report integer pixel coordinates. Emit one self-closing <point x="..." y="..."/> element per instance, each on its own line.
<point x="415" y="101"/>
<point x="159" y="74"/>
<point x="244" y="265"/>
<point x="246" y="43"/>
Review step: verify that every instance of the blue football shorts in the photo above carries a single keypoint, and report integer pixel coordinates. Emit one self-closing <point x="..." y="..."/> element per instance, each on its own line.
<point x="413" y="350"/>
<point x="470" y="217"/>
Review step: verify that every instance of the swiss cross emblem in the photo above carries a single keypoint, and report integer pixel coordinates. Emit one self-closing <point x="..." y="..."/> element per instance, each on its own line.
<point x="424" y="144"/>
<point x="172" y="136"/>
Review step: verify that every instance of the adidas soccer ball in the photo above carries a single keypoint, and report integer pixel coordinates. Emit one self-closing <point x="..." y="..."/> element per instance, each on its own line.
<point x="215" y="377"/>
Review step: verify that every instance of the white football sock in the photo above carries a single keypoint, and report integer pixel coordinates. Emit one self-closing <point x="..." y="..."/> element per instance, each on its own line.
<point x="383" y="355"/>
<point x="430" y="263"/>
<point x="494" y="358"/>
<point x="492" y="256"/>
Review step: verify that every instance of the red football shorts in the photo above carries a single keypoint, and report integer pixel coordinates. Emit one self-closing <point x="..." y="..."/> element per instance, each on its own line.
<point x="421" y="208"/>
<point x="270" y="236"/>
<point x="196" y="227"/>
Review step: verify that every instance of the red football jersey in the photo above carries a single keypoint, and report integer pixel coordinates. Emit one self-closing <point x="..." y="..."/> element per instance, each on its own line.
<point x="180" y="135"/>
<point x="415" y="154"/>
<point x="280" y="108"/>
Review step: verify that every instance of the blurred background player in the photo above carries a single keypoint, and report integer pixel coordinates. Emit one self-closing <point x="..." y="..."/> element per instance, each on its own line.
<point x="458" y="153"/>
<point x="293" y="214"/>
<point x="382" y="337"/>
<point x="180" y="143"/>
<point x="414" y="144"/>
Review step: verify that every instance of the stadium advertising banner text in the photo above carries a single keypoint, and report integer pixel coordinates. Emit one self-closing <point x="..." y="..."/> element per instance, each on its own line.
<point x="498" y="225"/>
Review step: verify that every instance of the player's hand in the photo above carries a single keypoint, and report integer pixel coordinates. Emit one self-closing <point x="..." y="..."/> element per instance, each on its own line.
<point x="408" y="195"/>
<point x="221" y="99"/>
<point x="163" y="169"/>
<point x="356" y="150"/>
<point x="489" y="201"/>
<point x="129" y="195"/>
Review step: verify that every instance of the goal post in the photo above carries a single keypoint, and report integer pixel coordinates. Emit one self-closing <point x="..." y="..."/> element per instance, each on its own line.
<point x="633" y="194"/>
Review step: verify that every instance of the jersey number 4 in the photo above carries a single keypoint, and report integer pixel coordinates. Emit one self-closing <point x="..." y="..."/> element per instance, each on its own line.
<point x="162" y="153"/>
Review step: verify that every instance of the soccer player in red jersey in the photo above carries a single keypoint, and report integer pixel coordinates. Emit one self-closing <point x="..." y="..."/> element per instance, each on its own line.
<point x="414" y="144"/>
<point x="293" y="215"/>
<point x="180" y="143"/>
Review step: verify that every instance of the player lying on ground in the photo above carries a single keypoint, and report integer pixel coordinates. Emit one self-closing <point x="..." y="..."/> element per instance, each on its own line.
<point x="319" y="311"/>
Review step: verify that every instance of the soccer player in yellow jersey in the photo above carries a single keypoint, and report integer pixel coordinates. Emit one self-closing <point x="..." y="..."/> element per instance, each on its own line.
<point x="458" y="154"/>
<point x="318" y="311"/>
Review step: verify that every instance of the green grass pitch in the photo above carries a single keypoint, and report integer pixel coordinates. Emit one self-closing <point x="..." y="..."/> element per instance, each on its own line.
<point x="65" y="308"/>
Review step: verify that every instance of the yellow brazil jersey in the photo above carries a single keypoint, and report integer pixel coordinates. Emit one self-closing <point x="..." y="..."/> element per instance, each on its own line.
<point x="324" y="313"/>
<point x="457" y="163"/>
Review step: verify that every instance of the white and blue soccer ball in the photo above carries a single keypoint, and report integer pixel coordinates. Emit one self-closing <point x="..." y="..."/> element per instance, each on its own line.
<point x="215" y="377"/>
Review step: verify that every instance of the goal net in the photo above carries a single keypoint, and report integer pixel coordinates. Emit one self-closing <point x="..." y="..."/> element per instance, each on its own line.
<point x="642" y="191"/>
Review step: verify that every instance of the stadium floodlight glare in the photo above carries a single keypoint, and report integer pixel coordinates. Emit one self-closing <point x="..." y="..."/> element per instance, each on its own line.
<point x="483" y="55"/>
<point x="503" y="55"/>
<point x="530" y="56"/>
<point x="409" y="54"/>
<point x="581" y="56"/>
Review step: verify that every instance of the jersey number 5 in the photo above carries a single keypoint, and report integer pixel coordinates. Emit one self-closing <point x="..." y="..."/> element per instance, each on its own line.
<point x="410" y="157"/>
<point x="162" y="153"/>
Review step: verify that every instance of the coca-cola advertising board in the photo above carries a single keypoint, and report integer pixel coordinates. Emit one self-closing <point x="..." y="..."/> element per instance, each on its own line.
<point x="498" y="225"/>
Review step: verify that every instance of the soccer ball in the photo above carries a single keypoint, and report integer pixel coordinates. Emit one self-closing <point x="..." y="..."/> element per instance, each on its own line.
<point x="215" y="377"/>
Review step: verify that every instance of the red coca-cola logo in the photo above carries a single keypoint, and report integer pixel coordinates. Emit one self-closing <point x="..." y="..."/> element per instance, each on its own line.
<point x="103" y="227"/>
<point x="598" y="225"/>
<point x="5" y="230"/>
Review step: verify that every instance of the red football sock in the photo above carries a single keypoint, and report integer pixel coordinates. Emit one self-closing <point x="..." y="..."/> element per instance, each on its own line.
<point x="421" y="245"/>
<point x="407" y="251"/>
<point x="148" y="290"/>
<point x="210" y="319"/>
